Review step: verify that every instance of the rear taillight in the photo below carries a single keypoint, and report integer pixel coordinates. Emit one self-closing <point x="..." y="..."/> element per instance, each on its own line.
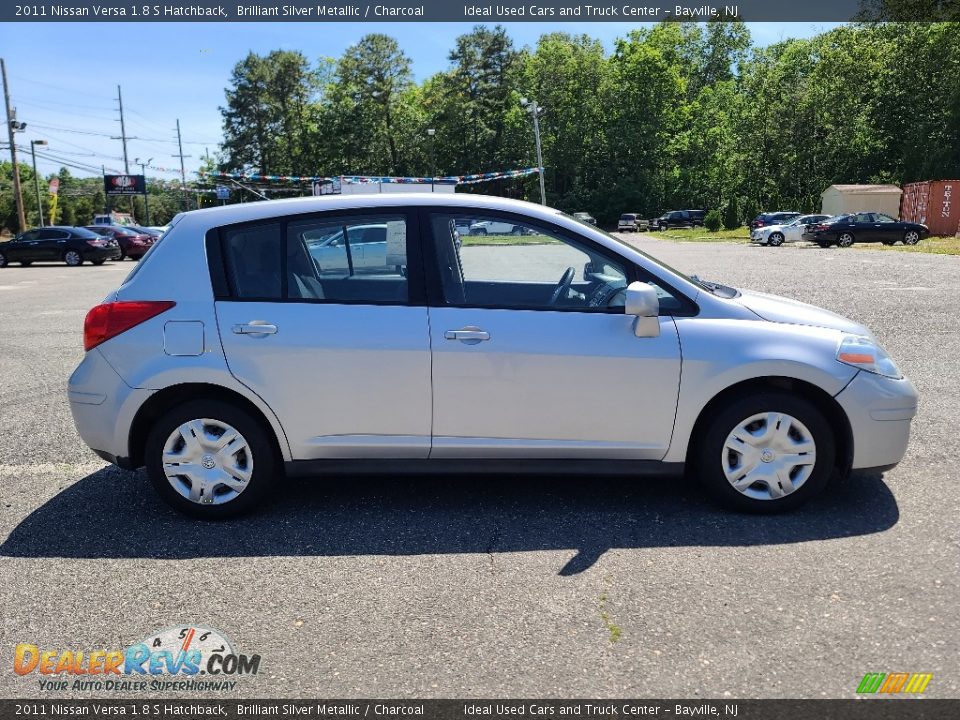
<point x="110" y="319"/>
<point x="97" y="243"/>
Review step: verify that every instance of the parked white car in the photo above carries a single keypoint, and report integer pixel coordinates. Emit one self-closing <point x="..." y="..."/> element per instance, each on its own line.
<point x="228" y="357"/>
<point x="495" y="227"/>
<point x="777" y="235"/>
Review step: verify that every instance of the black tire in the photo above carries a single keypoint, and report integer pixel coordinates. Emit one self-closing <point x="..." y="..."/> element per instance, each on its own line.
<point x="888" y="242"/>
<point x="123" y="256"/>
<point x="517" y="230"/>
<point x="708" y="455"/>
<point x="775" y="239"/>
<point x="98" y="262"/>
<point x="73" y="258"/>
<point x="823" y="244"/>
<point x="845" y="239"/>
<point x="266" y="464"/>
<point x="26" y="263"/>
<point x="480" y="231"/>
<point x="3" y="260"/>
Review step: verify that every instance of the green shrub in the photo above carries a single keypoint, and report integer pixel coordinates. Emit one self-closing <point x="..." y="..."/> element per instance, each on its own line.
<point x="713" y="222"/>
<point x="731" y="219"/>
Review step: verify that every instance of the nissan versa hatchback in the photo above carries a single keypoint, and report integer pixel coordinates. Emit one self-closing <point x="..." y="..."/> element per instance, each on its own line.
<point x="261" y="339"/>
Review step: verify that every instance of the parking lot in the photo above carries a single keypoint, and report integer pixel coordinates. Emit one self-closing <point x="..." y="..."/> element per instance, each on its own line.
<point x="499" y="587"/>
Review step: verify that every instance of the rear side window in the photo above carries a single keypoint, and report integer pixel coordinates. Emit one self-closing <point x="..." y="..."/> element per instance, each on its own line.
<point x="353" y="260"/>
<point x="252" y="259"/>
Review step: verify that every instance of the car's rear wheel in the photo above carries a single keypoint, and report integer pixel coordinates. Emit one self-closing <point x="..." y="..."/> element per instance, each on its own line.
<point x="210" y="459"/>
<point x="123" y="256"/>
<point x="73" y="258"/>
<point x="3" y="260"/>
<point x="845" y="239"/>
<point x="765" y="452"/>
<point x="775" y="239"/>
<point x="911" y="237"/>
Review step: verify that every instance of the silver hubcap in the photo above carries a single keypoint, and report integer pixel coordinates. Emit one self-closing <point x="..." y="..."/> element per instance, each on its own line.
<point x="846" y="240"/>
<point x="207" y="461"/>
<point x="768" y="456"/>
<point x="911" y="238"/>
<point x="72" y="258"/>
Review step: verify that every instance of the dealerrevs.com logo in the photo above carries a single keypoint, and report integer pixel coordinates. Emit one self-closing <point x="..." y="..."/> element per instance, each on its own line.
<point x="183" y="657"/>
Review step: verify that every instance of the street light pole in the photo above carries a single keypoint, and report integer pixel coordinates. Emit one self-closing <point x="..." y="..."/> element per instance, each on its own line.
<point x="146" y="192"/>
<point x="36" y="178"/>
<point x="535" y="110"/>
<point x="431" y="133"/>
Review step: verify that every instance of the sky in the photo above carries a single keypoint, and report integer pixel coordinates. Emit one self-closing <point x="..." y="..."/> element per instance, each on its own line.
<point x="63" y="78"/>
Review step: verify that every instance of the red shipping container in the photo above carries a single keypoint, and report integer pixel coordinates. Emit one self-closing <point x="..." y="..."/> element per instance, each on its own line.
<point x="935" y="203"/>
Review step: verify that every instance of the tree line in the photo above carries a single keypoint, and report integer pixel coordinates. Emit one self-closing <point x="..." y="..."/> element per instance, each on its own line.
<point x="679" y="115"/>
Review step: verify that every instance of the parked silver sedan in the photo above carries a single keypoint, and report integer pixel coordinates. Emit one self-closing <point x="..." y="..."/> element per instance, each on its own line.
<point x="793" y="231"/>
<point x="228" y="357"/>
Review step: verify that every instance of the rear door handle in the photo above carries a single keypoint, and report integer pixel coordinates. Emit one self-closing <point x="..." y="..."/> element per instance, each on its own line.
<point x="469" y="335"/>
<point x="257" y="327"/>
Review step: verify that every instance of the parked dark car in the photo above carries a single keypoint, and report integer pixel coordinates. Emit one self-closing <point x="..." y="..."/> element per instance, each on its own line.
<point x="156" y="233"/>
<point x="71" y="245"/>
<point x="781" y="217"/>
<point x="845" y="230"/>
<point x="132" y="244"/>
<point x="678" y="219"/>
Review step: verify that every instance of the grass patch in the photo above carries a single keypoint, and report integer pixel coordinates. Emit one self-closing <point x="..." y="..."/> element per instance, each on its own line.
<point x="613" y="629"/>
<point x="472" y="240"/>
<point x="703" y="235"/>
<point x="932" y="245"/>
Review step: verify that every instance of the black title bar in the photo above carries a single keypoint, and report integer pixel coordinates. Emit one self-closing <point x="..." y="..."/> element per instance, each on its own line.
<point x="873" y="708"/>
<point x="478" y="11"/>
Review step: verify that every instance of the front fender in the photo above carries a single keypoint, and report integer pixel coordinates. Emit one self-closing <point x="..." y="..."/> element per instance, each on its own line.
<point x="718" y="354"/>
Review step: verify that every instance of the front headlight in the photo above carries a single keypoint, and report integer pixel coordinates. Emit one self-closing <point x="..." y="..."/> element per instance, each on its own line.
<point x="863" y="353"/>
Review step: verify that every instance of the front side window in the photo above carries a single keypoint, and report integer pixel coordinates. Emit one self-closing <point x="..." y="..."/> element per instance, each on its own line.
<point x="523" y="266"/>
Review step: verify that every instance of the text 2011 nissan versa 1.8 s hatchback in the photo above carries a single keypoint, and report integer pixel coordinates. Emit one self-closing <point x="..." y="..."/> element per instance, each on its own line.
<point x="286" y="336"/>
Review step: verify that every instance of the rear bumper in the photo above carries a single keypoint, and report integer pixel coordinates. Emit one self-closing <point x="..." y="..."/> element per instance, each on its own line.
<point x="103" y="407"/>
<point x="879" y="410"/>
<point x="107" y="253"/>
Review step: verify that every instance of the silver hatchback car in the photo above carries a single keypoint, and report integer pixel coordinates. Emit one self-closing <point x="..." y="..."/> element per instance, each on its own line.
<point x="231" y="355"/>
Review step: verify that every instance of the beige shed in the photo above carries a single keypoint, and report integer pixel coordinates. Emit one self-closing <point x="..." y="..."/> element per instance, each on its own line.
<point x="839" y="199"/>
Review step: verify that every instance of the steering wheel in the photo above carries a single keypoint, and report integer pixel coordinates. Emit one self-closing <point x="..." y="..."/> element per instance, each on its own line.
<point x="563" y="287"/>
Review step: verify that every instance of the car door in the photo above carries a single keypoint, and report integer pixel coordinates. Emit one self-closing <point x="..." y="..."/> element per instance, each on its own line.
<point x="533" y="355"/>
<point x="343" y="358"/>
<point x="21" y="247"/>
<point x="863" y="227"/>
<point x="55" y="242"/>
<point x="886" y="229"/>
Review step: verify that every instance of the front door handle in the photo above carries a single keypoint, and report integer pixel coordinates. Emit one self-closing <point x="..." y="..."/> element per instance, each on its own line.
<point x="256" y="327"/>
<point x="469" y="335"/>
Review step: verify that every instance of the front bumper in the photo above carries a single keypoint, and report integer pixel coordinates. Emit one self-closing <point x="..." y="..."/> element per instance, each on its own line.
<point x="879" y="410"/>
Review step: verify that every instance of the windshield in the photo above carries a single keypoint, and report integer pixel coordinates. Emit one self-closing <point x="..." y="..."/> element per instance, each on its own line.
<point x="628" y="217"/>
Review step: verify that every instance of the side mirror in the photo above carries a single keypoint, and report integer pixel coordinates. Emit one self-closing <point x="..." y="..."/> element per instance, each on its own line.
<point x="642" y="302"/>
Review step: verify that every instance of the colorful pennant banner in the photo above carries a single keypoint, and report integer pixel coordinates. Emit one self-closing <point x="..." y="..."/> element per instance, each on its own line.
<point x="364" y="179"/>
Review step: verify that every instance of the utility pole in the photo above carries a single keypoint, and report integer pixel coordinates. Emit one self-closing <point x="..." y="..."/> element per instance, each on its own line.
<point x="146" y="192"/>
<point x="123" y="133"/>
<point x="12" y="126"/>
<point x="535" y="110"/>
<point x="36" y="177"/>
<point x="183" y="170"/>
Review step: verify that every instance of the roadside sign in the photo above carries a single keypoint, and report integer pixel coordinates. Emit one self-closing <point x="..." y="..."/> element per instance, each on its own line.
<point x="223" y="192"/>
<point x="54" y="186"/>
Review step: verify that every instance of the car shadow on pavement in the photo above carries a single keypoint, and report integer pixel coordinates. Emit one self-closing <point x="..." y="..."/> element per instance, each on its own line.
<point x="115" y="514"/>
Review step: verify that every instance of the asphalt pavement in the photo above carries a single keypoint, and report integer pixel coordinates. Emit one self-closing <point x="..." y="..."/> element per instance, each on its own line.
<point x="501" y="587"/>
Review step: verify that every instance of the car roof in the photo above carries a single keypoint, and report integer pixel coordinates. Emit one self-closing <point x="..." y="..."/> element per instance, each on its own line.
<point x="243" y="212"/>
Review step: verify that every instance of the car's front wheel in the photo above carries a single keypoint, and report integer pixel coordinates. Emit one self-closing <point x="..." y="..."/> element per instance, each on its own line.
<point x="775" y="239"/>
<point x="210" y="459"/>
<point x="911" y="237"/>
<point x="765" y="452"/>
